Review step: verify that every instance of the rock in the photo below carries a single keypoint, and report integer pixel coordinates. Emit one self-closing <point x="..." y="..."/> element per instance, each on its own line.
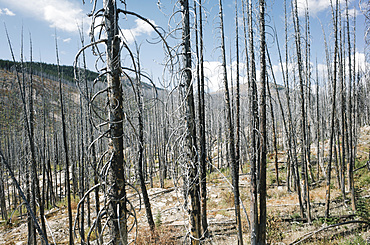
<point x="219" y="216"/>
<point x="214" y="196"/>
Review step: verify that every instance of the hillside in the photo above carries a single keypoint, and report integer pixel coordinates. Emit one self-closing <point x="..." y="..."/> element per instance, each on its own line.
<point x="46" y="89"/>
<point x="48" y="70"/>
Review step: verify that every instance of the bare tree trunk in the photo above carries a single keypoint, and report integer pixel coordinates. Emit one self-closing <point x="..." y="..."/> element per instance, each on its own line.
<point x="318" y="123"/>
<point x="237" y="92"/>
<point x="193" y="178"/>
<point x="117" y="211"/>
<point x="4" y="213"/>
<point x="274" y="135"/>
<point x="230" y="133"/>
<point x="303" y="114"/>
<point x="141" y="144"/>
<point x="291" y="136"/>
<point x="332" y="119"/>
<point x="253" y="127"/>
<point x="261" y="239"/>
<point x="34" y="175"/>
<point x="202" y="121"/>
<point x="66" y="156"/>
<point x="343" y="118"/>
<point x="350" y="163"/>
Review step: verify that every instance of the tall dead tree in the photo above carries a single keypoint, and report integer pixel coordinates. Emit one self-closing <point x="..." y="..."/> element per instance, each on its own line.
<point x="65" y="145"/>
<point x="254" y="122"/>
<point x="291" y="136"/>
<point x="117" y="218"/>
<point x="230" y="132"/>
<point x="274" y="138"/>
<point x="4" y="213"/>
<point x="237" y="92"/>
<point x="335" y="11"/>
<point x="261" y="238"/>
<point x="317" y="123"/>
<point x="350" y="162"/>
<point x="34" y="174"/>
<point x="303" y="113"/>
<point x="201" y="114"/>
<point x="193" y="178"/>
<point x="141" y="143"/>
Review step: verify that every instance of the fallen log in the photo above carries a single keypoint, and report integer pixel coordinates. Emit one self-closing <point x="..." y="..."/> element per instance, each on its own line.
<point x="154" y="195"/>
<point x="310" y="234"/>
<point x="341" y="218"/>
<point x="223" y="223"/>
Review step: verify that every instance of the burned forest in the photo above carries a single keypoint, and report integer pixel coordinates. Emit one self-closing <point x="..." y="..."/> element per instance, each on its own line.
<point x="250" y="126"/>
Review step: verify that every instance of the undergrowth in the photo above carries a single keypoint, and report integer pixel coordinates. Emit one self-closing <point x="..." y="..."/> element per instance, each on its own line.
<point x="362" y="206"/>
<point x="274" y="230"/>
<point x="168" y="235"/>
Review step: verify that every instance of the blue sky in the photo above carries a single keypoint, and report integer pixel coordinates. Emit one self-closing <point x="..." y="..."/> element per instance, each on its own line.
<point x="42" y="18"/>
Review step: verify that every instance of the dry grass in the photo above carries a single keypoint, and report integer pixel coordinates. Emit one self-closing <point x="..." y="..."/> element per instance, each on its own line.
<point x="168" y="235"/>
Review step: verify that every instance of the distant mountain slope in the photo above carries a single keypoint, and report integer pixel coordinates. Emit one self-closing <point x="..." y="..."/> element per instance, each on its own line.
<point x="49" y="69"/>
<point x="46" y="89"/>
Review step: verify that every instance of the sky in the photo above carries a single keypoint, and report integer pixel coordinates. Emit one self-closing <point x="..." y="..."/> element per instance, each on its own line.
<point x="43" y="20"/>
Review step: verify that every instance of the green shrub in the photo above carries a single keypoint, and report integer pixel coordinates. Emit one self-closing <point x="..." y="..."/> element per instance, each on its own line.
<point x="158" y="219"/>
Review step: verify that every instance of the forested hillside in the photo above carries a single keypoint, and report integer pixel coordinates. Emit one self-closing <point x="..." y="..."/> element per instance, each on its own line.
<point x="280" y="154"/>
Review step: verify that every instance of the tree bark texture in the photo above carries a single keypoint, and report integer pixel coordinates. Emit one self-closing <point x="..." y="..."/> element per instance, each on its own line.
<point x="117" y="212"/>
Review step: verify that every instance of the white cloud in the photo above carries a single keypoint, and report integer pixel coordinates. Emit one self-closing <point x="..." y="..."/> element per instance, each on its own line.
<point x="361" y="61"/>
<point x="315" y="6"/>
<point x="6" y="11"/>
<point x="60" y="14"/>
<point x="352" y="12"/>
<point x="213" y="73"/>
<point x="141" y="27"/>
<point x="67" y="40"/>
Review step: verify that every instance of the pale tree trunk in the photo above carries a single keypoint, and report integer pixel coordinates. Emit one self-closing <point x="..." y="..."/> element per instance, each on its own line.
<point x="291" y="136"/>
<point x="332" y="119"/>
<point x="82" y="162"/>
<point x="317" y="123"/>
<point x="303" y="114"/>
<point x="274" y="134"/>
<point x="343" y="132"/>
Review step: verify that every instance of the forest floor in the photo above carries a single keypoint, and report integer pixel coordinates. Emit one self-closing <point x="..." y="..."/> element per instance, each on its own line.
<point x="284" y="224"/>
